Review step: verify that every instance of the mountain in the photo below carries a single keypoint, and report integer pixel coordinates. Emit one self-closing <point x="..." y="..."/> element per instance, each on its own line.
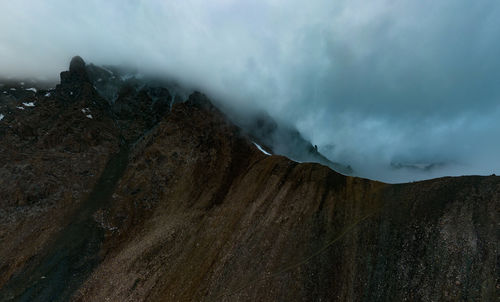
<point x="148" y="199"/>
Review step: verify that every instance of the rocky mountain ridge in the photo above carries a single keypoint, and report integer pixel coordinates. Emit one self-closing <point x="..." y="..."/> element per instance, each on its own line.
<point x="276" y="137"/>
<point x="147" y="199"/>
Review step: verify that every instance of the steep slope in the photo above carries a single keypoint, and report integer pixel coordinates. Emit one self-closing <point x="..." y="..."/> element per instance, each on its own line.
<point x="203" y="215"/>
<point x="191" y="210"/>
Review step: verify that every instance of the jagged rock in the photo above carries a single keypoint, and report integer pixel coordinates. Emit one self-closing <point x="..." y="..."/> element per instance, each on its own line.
<point x="77" y="66"/>
<point x="77" y="74"/>
<point x="136" y="111"/>
<point x="198" y="99"/>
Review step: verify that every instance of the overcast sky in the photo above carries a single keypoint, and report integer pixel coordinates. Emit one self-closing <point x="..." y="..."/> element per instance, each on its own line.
<point x="369" y="82"/>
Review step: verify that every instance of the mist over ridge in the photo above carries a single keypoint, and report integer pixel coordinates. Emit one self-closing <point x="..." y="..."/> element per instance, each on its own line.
<point x="401" y="91"/>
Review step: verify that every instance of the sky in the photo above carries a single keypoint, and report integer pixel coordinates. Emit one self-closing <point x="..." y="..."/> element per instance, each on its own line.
<point x="407" y="82"/>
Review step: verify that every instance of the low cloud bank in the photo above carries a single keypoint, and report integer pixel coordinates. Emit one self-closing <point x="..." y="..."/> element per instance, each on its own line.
<point x="400" y="90"/>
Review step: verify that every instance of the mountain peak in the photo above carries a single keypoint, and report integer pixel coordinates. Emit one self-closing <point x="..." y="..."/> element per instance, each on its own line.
<point x="77" y="65"/>
<point x="77" y="72"/>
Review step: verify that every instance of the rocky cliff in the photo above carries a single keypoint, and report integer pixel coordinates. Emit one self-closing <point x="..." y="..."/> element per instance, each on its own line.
<point x="138" y="200"/>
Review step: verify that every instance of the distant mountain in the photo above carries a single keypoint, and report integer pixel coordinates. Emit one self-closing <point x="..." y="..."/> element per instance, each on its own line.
<point x="417" y="166"/>
<point x="143" y="198"/>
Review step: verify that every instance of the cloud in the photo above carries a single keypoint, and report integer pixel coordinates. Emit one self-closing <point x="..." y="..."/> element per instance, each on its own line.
<point x="369" y="82"/>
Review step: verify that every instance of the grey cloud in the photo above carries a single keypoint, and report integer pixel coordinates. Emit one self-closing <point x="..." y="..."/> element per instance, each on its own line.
<point x="370" y="82"/>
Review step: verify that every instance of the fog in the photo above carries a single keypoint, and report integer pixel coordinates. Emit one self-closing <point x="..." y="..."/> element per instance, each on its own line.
<point x="415" y="84"/>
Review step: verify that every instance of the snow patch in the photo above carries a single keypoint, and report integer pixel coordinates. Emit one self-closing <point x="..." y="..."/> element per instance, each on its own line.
<point x="99" y="80"/>
<point x="85" y="111"/>
<point x="47" y="94"/>
<point x="30" y="104"/>
<point x="32" y="89"/>
<point x="71" y="93"/>
<point x="13" y="89"/>
<point x="20" y="108"/>
<point x="261" y="149"/>
<point x="1" y="116"/>
<point x="22" y="83"/>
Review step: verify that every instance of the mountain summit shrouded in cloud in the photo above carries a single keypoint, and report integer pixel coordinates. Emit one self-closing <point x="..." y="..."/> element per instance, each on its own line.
<point x="400" y="90"/>
<point x="137" y="196"/>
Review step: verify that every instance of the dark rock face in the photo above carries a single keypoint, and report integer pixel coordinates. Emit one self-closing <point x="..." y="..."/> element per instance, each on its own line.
<point x="137" y="111"/>
<point x="199" y="100"/>
<point x="141" y="203"/>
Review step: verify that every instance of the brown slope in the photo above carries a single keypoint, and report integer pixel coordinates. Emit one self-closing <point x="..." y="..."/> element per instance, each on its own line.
<point x="202" y="215"/>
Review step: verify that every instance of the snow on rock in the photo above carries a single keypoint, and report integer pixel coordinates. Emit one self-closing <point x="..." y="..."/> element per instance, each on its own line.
<point x="30" y="104"/>
<point x="32" y="89"/>
<point x="1" y="116"/>
<point x="20" y="108"/>
<point x="47" y="94"/>
<point x="261" y="149"/>
<point x="86" y="111"/>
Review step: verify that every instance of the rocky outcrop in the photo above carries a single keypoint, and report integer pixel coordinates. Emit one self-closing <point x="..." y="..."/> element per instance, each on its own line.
<point x="139" y="203"/>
